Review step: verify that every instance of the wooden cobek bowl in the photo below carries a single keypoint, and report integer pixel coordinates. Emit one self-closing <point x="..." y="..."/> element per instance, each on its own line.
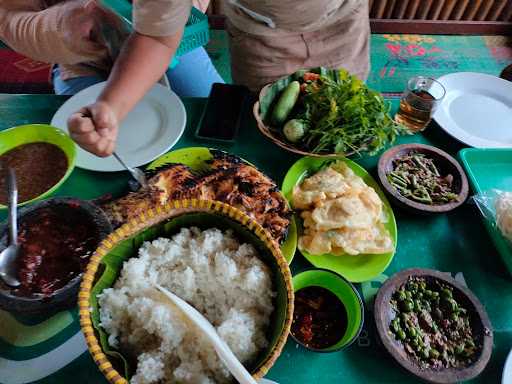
<point x="443" y="161"/>
<point x="480" y="324"/>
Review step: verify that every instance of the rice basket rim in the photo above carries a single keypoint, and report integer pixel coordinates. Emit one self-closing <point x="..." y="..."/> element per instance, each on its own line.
<point x="148" y="219"/>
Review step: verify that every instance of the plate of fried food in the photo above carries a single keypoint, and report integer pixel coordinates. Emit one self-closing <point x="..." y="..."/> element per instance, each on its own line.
<point x="210" y="174"/>
<point x="346" y="223"/>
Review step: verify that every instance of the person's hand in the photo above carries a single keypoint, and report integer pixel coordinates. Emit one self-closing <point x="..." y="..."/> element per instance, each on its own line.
<point x="95" y="128"/>
<point x="79" y="23"/>
<point x="83" y="24"/>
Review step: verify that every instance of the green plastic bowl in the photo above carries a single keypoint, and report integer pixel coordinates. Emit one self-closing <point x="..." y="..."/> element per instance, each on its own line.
<point x="345" y="292"/>
<point x="33" y="133"/>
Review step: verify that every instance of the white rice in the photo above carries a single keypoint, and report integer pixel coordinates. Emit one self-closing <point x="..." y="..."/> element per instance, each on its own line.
<point x="223" y="279"/>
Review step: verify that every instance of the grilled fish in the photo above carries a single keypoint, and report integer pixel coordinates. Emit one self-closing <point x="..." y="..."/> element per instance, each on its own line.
<point x="226" y="178"/>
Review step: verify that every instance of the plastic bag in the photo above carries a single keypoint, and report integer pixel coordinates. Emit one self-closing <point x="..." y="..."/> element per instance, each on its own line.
<point x="496" y="206"/>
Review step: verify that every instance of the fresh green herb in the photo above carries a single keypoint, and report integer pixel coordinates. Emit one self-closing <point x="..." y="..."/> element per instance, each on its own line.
<point x="416" y="177"/>
<point x="344" y="115"/>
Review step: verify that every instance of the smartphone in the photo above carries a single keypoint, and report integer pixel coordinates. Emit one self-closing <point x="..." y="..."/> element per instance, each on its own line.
<point x="223" y="112"/>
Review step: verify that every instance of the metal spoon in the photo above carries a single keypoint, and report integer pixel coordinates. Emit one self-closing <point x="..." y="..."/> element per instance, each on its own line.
<point x="8" y="255"/>
<point x="223" y="351"/>
<point x="136" y="173"/>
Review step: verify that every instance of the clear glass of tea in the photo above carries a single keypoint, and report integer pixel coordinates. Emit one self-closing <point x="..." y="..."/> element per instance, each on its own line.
<point x="418" y="103"/>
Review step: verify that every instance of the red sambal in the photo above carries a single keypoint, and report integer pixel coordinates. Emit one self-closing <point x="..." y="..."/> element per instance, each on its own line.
<point x="38" y="167"/>
<point x="319" y="318"/>
<point x="55" y="245"/>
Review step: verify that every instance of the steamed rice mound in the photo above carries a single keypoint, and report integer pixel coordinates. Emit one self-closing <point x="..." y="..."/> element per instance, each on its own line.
<point x="221" y="278"/>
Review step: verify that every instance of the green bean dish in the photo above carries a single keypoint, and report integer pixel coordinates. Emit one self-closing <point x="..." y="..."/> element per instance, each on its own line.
<point x="416" y="177"/>
<point x="434" y="328"/>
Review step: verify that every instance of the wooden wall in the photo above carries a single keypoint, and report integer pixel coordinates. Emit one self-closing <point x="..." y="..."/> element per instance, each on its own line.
<point x="425" y="16"/>
<point x="468" y="10"/>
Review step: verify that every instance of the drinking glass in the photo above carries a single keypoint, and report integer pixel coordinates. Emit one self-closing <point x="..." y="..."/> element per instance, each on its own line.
<point x="419" y="102"/>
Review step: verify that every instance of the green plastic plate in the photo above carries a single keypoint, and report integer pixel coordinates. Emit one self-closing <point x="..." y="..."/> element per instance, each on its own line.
<point x="489" y="169"/>
<point x="354" y="268"/>
<point x="195" y="158"/>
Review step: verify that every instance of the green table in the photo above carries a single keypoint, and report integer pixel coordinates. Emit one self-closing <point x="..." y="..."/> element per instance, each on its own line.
<point x="454" y="242"/>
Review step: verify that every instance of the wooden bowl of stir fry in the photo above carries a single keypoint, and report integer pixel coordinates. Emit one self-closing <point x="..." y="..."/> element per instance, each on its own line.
<point x="433" y="326"/>
<point x="422" y="179"/>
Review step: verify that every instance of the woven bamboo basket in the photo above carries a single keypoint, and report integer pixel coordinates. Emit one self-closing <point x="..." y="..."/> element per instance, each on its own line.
<point x="276" y="138"/>
<point x="154" y="217"/>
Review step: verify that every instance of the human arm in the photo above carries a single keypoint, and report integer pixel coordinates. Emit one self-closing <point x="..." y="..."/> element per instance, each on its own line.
<point x="64" y="33"/>
<point x="142" y="63"/>
<point x="143" y="60"/>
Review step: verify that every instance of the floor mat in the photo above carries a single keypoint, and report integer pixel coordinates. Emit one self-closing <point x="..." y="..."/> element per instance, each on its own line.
<point x="19" y="74"/>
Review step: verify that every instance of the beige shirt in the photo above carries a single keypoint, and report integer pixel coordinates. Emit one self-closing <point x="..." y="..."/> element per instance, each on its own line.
<point x="160" y="17"/>
<point x="287" y="16"/>
<point x="44" y="33"/>
<point x="164" y="17"/>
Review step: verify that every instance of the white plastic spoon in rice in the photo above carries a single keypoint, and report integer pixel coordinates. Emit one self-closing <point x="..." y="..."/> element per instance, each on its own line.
<point x="225" y="354"/>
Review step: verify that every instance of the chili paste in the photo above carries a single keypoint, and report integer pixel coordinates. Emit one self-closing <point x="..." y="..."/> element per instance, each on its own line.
<point x="55" y="245"/>
<point x="319" y="318"/>
<point x="38" y="167"/>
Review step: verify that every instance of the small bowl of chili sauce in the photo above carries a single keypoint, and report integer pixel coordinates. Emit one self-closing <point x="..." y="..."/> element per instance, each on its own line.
<point x="328" y="311"/>
<point x="42" y="156"/>
<point x="56" y="239"/>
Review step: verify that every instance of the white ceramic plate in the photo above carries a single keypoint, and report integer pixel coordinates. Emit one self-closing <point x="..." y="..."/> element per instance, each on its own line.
<point x="507" y="370"/>
<point x="150" y="129"/>
<point x="477" y="109"/>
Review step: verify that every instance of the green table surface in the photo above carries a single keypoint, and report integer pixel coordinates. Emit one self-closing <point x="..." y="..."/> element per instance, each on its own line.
<point x="453" y="242"/>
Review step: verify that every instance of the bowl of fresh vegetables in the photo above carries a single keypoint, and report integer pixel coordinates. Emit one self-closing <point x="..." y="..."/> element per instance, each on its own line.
<point x="324" y="113"/>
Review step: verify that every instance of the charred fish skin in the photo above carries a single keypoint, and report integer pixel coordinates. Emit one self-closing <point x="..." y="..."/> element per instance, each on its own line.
<point x="175" y="175"/>
<point x="228" y="178"/>
<point x="220" y="157"/>
<point x="130" y="206"/>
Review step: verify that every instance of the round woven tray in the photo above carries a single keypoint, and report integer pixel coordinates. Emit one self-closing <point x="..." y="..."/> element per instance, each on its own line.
<point x="155" y="216"/>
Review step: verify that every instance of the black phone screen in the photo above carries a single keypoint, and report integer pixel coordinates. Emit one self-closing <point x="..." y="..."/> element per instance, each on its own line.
<point x="225" y="105"/>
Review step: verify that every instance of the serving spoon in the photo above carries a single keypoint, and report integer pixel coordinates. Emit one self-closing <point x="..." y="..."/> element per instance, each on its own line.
<point x="8" y="255"/>
<point x="136" y="173"/>
<point x="223" y="351"/>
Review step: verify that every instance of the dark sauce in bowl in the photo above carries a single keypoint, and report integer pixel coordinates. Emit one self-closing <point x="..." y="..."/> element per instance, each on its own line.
<point x="55" y="245"/>
<point x="319" y="318"/>
<point x="38" y="167"/>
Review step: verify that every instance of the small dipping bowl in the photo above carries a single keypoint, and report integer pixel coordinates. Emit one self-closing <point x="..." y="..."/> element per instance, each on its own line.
<point x="64" y="297"/>
<point x="39" y="133"/>
<point x="348" y="296"/>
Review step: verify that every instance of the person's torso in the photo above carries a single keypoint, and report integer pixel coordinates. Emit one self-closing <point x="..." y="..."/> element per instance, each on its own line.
<point x="286" y="15"/>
